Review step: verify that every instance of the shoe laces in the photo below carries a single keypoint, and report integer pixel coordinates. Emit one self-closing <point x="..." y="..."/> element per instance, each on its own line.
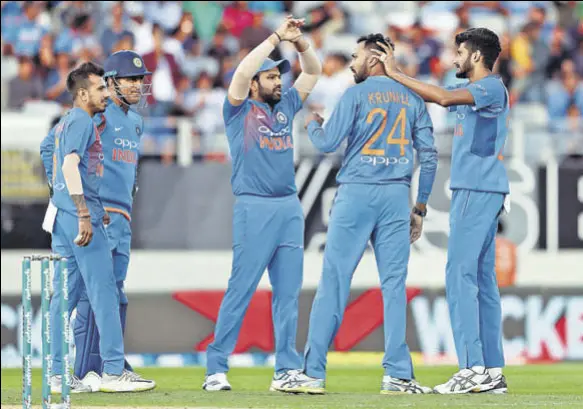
<point x="463" y="373"/>
<point x="76" y="382"/>
<point x="132" y="375"/>
<point x="290" y="374"/>
<point x="125" y="377"/>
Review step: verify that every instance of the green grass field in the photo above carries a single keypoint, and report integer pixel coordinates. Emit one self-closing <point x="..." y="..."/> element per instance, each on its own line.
<point x="540" y="386"/>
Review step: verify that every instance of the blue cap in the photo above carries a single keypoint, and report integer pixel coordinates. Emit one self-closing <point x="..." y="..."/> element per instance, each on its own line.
<point x="283" y="65"/>
<point x="124" y="64"/>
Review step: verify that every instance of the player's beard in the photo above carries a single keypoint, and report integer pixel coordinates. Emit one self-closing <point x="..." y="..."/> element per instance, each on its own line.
<point x="269" y="96"/>
<point x="98" y="108"/>
<point x="131" y="98"/>
<point x="360" y="76"/>
<point x="465" y="69"/>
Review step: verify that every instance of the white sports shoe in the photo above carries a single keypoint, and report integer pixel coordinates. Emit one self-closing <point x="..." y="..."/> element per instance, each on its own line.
<point x="93" y="380"/>
<point x="126" y="382"/>
<point x="466" y="381"/>
<point x="392" y="385"/>
<point x="138" y="378"/>
<point x="280" y="378"/>
<point x="500" y="386"/>
<point x="216" y="382"/>
<point x="302" y="383"/>
<point x="76" y="385"/>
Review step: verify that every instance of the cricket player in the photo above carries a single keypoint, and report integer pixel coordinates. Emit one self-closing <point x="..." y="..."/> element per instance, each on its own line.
<point x="121" y="129"/>
<point x="479" y="184"/>
<point x="383" y="122"/>
<point x="78" y="225"/>
<point x="268" y="222"/>
<point x="125" y="75"/>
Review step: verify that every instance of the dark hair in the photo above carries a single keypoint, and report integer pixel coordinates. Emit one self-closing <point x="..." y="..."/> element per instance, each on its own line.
<point x="79" y="77"/>
<point x="483" y="40"/>
<point x="80" y="20"/>
<point x="370" y="41"/>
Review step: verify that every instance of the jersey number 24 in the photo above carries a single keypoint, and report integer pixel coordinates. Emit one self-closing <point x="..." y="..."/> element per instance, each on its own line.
<point x="400" y="122"/>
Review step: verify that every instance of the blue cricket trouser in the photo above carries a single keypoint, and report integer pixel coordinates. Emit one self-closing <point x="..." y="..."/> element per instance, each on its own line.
<point x="88" y="357"/>
<point x="362" y="212"/>
<point x="267" y="233"/>
<point x="90" y="269"/>
<point x="471" y="288"/>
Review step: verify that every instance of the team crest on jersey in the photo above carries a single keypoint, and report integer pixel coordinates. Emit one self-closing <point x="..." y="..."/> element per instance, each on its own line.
<point x="138" y="62"/>
<point x="281" y="118"/>
<point x="138" y="131"/>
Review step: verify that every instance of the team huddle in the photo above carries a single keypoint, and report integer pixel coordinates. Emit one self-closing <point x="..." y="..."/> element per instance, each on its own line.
<point x="383" y="120"/>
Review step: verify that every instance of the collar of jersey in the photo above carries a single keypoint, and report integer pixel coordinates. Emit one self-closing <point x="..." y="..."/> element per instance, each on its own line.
<point x="493" y="75"/>
<point x="113" y="105"/>
<point x="264" y="105"/>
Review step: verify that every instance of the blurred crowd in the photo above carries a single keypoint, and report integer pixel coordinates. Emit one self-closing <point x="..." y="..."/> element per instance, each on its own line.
<point x="193" y="47"/>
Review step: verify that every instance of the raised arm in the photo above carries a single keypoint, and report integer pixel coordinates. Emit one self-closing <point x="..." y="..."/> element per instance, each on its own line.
<point x="429" y="92"/>
<point x="241" y="82"/>
<point x="311" y="68"/>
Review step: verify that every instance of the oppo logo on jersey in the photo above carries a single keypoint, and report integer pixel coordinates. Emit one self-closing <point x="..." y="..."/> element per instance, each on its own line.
<point x="127" y="153"/>
<point x="126" y="143"/>
<point x="266" y="131"/>
<point x="385" y="160"/>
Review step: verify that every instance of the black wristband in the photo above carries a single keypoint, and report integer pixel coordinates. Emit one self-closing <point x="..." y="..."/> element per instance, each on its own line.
<point x="275" y="32"/>
<point x="419" y="212"/>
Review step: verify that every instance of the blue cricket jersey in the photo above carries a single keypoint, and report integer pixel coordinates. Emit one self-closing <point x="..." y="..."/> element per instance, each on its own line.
<point x="120" y="136"/>
<point x="261" y="145"/>
<point x="77" y="133"/>
<point x="383" y="121"/>
<point x="479" y="137"/>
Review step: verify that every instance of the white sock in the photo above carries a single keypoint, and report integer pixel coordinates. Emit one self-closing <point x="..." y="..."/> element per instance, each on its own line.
<point x="495" y="372"/>
<point x="478" y="369"/>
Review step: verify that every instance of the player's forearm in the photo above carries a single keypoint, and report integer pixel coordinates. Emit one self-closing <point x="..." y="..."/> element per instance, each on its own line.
<point x="241" y="82"/>
<point x="301" y="45"/>
<point x="321" y="139"/>
<point x="428" y="162"/>
<point x="429" y="92"/>
<point x="74" y="185"/>
<point x="311" y="67"/>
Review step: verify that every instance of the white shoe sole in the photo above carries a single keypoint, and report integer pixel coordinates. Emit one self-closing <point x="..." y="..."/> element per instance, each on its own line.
<point x="120" y="388"/>
<point x="305" y="391"/>
<point x="460" y="392"/>
<point x="72" y="391"/>
<point x="499" y="391"/>
<point x="223" y="388"/>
